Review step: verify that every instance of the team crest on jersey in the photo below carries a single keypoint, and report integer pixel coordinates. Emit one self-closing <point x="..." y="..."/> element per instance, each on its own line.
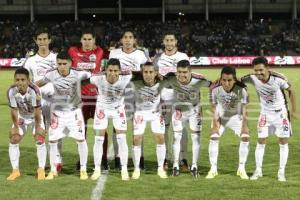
<point x="100" y="114"/>
<point x="92" y="58"/>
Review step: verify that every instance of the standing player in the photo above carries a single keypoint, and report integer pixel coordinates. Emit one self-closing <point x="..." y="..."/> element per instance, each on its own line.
<point x="167" y="62"/>
<point x="88" y="57"/>
<point x="38" y="65"/>
<point x="110" y="104"/>
<point x="147" y="109"/>
<point x="186" y="108"/>
<point x="25" y="102"/>
<point x="274" y="114"/>
<point x="130" y="59"/>
<point x="228" y="102"/>
<point x="66" y="114"/>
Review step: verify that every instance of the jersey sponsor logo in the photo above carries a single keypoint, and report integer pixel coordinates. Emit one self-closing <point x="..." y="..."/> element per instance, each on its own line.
<point x="41" y="72"/>
<point x="86" y="65"/>
<point x="92" y="58"/>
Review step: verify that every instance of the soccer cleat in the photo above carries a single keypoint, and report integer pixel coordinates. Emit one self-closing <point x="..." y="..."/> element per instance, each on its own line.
<point x="117" y="163"/>
<point x="162" y="173"/>
<point x="175" y="171"/>
<point x="136" y="174"/>
<point x="166" y="165"/>
<point x="13" y="175"/>
<point x="184" y="165"/>
<point x="104" y="164"/>
<point x="59" y="167"/>
<point x="51" y="176"/>
<point x="142" y="163"/>
<point x="194" y="172"/>
<point x="96" y="175"/>
<point x="83" y="175"/>
<point x="257" y="174"/>
<point x="281" y="177"/>
<point x="242" y="173"/>
<point x="40" y="174"/>
<point x="124" y="175"/>
<point x="211" y="174"/>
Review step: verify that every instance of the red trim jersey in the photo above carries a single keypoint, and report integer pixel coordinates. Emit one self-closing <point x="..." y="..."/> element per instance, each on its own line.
<point x="88" y="61"/>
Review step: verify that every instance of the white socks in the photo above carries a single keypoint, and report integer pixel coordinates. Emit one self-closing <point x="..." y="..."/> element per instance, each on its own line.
<point x="160" y="155"/>
<point x="243" y="154"/>
<point x="123" y="150"/>
<point x="83" y="154"/>
<point x="41" y="152"/>
<point x="53" y="156"/>
<point x="14" y="155"/>
<point x="259" y="155"/>
<point x="284" y="153"/>
<point x="98" y="151"/>
<point x="136" y="152"/>
<point x="196" y="148"/>
<point x="176" y="148"/>
<point x="213" y="151"/>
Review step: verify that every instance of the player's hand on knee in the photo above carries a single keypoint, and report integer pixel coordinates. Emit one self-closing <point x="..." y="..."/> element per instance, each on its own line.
<point x="13" y="131"/>
<point x="40" y="135"/>
<point x="14" y="136"/>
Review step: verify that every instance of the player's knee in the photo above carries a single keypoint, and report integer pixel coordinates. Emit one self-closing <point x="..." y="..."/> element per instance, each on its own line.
<point x="15" y="139"/>
<point x="283" y="140"/>
<point x="262" y="140"/>
<point x="39" y="139"/>
<point x="245" y="137"/>
<point x="137" y="140"/>
<point x="214" y="136"/>
<point x="160" y="139"/>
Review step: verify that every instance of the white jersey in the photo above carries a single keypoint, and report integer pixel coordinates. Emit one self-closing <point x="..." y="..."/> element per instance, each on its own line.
<point x="38" y="66"/>
<point x="24" y="102"/>
<point x="129" y="61"/>
<point x="229" y="103"/>
<point x="147" y="98"/>
<point x="187" y="96"/>
<point x="111" y="96"/>
<point x="66" y="88"/>
<point x="168" y="63"/>
<point x="270" y="93"/>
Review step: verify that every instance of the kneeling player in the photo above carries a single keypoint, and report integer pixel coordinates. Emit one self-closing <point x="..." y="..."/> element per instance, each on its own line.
<point x="25" y="102"/>
<point x="228" y="101"/>
<point x="110" y="105"/>
<point x="147" y="102"/>
<point x="66" y="115"/>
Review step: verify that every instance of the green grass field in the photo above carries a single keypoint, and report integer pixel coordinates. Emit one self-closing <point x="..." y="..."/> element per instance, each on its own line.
<point x="226" y="186"/>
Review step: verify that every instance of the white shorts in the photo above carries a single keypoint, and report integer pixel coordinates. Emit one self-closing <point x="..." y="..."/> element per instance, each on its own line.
<point x="276" y="123"/>
<point x="67" y="123"/>
<point x="117" y="115"/>
<point x="192" y="116"/>
<point x="141" y="118"/>
<point x="234" y="123"/>
<point x="25" y="122"/>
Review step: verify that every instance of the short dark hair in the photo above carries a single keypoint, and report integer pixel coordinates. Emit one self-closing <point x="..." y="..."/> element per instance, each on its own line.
<point x="184" y="64"/>
<point x="228" y="70"/>
<point x="148" y="63"/>
<point x="88" y="31"/>
<point x="63" y="55"/>
<point x="113" y="61"/>
<point x="22" y="71"/>
<point x="128" y="31"/>
<point x="41" y="30"/>
<point x="260" y="60"/>
<point x="170" y="33"/>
